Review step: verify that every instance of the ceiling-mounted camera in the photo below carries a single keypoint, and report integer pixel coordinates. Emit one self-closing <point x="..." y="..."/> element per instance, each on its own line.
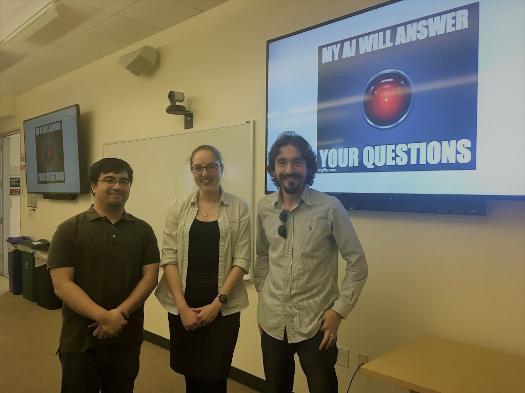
<point x="174" y="108"/>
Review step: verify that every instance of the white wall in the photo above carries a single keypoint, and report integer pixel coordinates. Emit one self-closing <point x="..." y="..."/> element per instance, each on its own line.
<point x="7" y="123"/>
<point x="458" y="277"/>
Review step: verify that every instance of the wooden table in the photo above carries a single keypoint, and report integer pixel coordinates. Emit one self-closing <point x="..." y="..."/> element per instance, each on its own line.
<point x="436" y="365"/>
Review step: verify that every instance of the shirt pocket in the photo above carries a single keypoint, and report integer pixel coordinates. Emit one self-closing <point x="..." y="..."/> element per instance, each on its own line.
<point x="315" y="235"/>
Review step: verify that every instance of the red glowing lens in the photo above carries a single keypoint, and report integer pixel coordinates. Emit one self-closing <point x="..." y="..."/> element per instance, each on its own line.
<point x="387" y="98"/>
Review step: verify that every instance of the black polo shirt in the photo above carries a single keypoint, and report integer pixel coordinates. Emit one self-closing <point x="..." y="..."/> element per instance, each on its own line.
<point x="108" y="260"/>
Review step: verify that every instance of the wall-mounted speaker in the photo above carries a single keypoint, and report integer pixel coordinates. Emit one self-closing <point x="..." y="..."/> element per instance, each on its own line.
<point x="139" y="61"/>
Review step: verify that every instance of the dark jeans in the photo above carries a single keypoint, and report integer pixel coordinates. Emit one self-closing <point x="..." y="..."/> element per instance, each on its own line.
<point x="105" y="369"/>
<point x="201" y="385"/>
<point x="279" y="364"/>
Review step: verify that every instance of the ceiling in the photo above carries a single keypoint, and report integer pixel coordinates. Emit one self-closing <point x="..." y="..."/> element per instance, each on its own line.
<point x="67" y="34"/>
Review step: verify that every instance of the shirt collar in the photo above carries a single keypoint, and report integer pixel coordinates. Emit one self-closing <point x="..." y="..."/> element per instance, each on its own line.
<point x="93" y="215"/>
<point x="224" y="200"/>
<point x="306" y="197"/>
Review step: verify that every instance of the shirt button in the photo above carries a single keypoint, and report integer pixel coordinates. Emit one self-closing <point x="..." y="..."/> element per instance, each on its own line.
<point x="114" y="236"/>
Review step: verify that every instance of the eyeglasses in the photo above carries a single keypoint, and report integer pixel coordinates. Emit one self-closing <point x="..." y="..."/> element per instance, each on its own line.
<point x="282" y="230"/>
<point x="111" y="181"/>
<point x="211" y="167"/>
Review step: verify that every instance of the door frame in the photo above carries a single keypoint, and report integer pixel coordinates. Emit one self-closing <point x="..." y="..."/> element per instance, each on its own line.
<point x="5" y="200"/>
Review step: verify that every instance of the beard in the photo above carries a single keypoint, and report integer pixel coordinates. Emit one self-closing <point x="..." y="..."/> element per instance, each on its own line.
<point x="116" y="203"/>
<point x="294" y="187"/>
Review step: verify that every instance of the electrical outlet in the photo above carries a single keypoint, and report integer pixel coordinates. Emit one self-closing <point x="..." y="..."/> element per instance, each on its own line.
<point x="362" y="358"/>
<point x="342" y="357"/>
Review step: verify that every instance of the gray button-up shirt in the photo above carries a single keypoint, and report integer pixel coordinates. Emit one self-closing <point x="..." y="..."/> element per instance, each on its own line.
<point x="296" y="277"/>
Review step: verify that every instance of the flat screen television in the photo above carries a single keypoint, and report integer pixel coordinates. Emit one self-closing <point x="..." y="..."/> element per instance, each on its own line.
<point x="51" y="142"/>
<point x="410" y="105"/>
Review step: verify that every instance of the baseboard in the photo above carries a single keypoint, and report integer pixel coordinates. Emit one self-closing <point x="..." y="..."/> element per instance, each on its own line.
<point x="160" y="341"/>
<point x="247" y="379"/>
<point x="236" y="374"/>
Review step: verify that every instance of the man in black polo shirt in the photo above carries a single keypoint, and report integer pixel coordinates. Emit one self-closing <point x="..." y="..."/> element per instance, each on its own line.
<point x="104" y="264"/>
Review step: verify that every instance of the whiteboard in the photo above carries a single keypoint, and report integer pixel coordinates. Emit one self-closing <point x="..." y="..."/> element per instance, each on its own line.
<point x="161" y="171"/>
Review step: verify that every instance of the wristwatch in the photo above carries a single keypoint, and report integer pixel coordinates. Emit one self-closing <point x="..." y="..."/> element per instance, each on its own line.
<point x="223" y="298"/>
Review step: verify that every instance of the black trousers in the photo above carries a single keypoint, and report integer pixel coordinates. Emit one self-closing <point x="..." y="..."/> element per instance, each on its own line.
<point x="279" y="365"/>
<point x="105" y="369"/>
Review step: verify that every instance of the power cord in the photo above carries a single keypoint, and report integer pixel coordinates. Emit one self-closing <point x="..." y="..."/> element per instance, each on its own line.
<point x="352" y="379"/>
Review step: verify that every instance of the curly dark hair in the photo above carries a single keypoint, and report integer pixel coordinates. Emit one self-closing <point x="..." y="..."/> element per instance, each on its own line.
<point x="307" y="153"/>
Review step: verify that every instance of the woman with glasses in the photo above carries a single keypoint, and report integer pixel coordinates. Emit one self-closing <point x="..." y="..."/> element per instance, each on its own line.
<point x="205" y="254"/>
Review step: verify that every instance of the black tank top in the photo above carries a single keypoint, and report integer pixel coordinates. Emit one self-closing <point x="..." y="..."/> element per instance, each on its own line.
<point x="203" y="263"/>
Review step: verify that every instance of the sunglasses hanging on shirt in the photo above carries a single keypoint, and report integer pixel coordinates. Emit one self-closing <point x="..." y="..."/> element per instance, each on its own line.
<point x="282" y="230"/>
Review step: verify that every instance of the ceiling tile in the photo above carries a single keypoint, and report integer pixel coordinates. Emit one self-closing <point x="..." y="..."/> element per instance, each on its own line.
<point x="25" y="79"/>
<point x="123" y="29"/>
<point x="8" y="59"/>
<point x="84" y="31"/>
<point x="22" y="47"/>
<point x="23" y="62"/>
<point x="13" y="13"/>
<point x="57" y="63"/>
<point x="111" y="6"/>
<point x="93" y="44"/>
<point x="9" y="8"/>
<point x="162" y="14"/>
<point x="69" y="18"/>
<point x="66" y="58"/>
<point x="202" y="4"/>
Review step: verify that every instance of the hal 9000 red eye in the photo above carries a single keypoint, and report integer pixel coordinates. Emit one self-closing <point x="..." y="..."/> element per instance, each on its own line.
<point x="387" y="98"/>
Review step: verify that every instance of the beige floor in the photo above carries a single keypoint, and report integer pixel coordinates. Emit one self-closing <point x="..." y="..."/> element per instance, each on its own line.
<point x="29" y="337"/>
